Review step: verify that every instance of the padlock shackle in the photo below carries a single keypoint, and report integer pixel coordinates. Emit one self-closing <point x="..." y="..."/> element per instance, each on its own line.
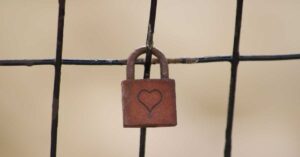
<point x="164" y="72"/>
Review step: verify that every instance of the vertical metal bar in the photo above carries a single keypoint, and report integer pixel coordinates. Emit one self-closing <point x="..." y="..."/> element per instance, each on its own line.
<point x="147" y="65"/>
<point x="149" y="41"/>
<point x="233" y="79"/>
<point x="142" y="142"/>
<point x="58" y="63"/>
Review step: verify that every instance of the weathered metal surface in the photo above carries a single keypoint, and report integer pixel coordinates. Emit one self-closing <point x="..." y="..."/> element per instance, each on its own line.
<point x="148" y="102"/>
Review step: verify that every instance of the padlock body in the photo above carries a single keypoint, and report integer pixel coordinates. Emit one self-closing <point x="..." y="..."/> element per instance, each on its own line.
<point x="149" y="103"/>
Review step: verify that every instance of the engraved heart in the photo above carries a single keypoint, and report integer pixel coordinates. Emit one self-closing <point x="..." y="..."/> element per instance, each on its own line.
<point x="149" y="98"/>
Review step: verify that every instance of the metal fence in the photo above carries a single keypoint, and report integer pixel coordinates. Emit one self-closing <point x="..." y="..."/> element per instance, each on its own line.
<point x="234" y="59"/>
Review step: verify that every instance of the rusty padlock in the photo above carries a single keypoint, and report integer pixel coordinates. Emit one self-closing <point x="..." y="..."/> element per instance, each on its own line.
<point x="148" y="102"/>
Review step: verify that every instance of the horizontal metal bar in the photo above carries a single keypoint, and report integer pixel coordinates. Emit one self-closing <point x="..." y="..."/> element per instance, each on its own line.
<point x="31" y="62"/>
<point x="269" y="57"/>
<point x="27" y="62"/>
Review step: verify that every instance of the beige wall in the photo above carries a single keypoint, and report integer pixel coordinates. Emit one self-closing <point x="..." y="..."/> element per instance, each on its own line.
<point x="90" y="125"/>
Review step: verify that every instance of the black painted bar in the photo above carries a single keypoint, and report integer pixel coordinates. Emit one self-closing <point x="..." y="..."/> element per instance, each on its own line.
<point x="34" y="62"/>
<point x="147" y="66"/>
<point x="57" y="76"/>
<point x="233" y="79"/>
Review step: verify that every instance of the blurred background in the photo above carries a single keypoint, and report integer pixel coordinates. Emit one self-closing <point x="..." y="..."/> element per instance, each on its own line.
<point x="267" y="111"/>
